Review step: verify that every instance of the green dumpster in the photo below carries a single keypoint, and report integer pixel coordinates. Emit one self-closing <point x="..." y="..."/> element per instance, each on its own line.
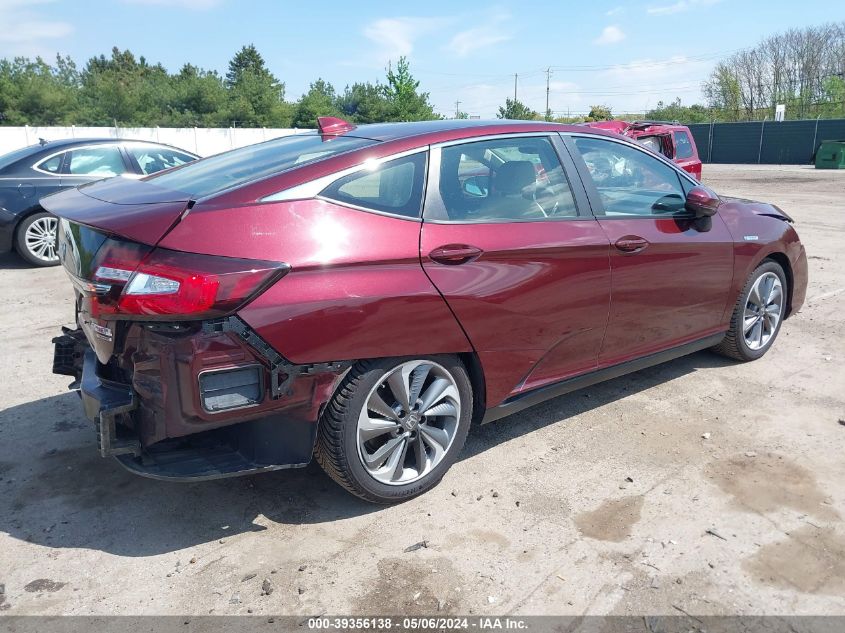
<point x="831" y="155"/>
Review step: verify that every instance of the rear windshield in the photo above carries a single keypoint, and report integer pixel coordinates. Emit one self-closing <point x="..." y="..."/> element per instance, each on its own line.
<point x="214" y="174"/>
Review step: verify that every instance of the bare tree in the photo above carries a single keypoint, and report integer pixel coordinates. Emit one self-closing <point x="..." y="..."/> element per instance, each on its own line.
<point x="796" y="68"/>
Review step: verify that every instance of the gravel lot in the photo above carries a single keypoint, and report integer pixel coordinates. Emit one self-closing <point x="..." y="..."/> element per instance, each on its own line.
<point x="595" y="503"/>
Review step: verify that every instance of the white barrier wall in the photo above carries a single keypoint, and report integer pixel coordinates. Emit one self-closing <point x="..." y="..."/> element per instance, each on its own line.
<point x="202" y="141"/>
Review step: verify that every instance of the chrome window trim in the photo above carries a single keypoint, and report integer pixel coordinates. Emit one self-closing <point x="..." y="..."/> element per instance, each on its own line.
<point x="434" y="168"/>
<point x="313" y="188"/>
<point x="77" y="147"/>
<point x="493" y="137"/>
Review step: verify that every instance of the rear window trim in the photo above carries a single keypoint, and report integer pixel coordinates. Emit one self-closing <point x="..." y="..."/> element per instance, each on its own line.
<point x="312" y="189"/>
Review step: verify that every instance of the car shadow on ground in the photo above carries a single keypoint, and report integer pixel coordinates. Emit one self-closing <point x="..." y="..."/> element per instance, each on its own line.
<point x="56" y="491"/>
<point x="12" y="261"/>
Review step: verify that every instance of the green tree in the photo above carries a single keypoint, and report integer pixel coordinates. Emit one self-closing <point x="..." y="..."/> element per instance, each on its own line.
<point x="599" y="113"/>
<point x="364" y="103"/>
<point x="320" y="100"/>
<point x="515" y="109"/>
<point x="405" y="103"/>
<point x="35" y="93"/>
<point x="676" y="111"/>
<point x="199" y="99"/>
<point x="256" y="97"/>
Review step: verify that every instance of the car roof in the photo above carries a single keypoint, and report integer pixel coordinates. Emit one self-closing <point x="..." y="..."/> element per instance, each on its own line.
<point x="51" y="147"/>
<point x="457" y="128"/>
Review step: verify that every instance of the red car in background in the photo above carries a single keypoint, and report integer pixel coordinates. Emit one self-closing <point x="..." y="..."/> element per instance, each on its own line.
<point x="364" y="294"/>
<point x="673" y="140"/>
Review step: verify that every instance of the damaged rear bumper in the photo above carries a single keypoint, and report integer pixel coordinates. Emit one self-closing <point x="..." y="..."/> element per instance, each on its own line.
<point x="150" y="405"/>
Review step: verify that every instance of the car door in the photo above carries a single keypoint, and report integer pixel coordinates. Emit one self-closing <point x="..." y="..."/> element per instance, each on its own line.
<point x="671" y="273"/>
<point x="509" y="242"/>
<point x="686" y="156"/>
<point x="93" y="162"/>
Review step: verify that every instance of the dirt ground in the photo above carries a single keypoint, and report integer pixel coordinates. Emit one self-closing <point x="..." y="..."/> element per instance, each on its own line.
<point x="606" y="501"/>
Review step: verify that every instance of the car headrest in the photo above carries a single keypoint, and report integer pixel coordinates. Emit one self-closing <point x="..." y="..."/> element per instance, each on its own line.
<point x="514" y="176"/>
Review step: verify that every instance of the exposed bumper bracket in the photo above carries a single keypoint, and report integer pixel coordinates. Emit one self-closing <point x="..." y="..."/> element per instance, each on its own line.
<point x="282" y="371"/>
<point x="103" y="402"/>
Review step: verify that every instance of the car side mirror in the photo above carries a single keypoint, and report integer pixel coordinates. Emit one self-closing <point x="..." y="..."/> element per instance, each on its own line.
<point x="702" y="202"/>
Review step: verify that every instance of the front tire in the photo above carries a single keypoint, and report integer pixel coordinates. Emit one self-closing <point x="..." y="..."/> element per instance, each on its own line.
<point x="757" y="315"/>
<point x="395" y="426"/>
<point x="35" y="239"/>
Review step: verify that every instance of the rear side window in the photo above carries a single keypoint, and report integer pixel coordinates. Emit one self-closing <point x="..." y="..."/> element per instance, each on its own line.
<point x="394" y="186"/>
<point x="683" y="145"/>
<point x="155" y="158"/>
<point x="52" y="164"/>
<point x="212" y="175"/>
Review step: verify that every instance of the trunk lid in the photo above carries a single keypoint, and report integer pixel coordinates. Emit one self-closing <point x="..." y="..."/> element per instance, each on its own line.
<point x="119" y="215"/>
<point x="133" y="209"/>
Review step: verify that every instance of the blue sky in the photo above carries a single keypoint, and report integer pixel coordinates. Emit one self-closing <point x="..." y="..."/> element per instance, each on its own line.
<point x="625" y="55"/>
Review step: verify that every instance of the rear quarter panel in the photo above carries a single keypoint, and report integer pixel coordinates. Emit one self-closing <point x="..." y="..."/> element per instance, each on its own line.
<point x="356" y="287"/>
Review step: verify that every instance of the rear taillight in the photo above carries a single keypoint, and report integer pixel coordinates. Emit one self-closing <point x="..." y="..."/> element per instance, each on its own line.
<point x="176" y="285"/>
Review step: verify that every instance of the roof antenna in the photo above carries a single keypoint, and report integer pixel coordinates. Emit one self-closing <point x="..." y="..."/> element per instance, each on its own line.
<point x="333" y="125"/>
<point x="42" y="142"/>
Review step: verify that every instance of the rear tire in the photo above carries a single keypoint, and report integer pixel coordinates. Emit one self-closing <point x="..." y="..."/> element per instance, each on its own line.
<point x="395" y="426"/>
<point x="758" y="314"/>
<point x="35" y="239"/>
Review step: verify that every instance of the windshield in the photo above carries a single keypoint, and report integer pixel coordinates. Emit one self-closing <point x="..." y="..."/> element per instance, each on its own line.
<point x="12" y="157"/>
<point x="214" y="174"/>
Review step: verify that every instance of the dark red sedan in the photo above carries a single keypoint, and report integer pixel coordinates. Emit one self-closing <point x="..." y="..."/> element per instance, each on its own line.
<point x="365" y="294"/>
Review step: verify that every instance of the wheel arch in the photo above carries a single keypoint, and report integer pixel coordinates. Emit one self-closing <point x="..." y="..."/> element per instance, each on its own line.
<point x="21" y="217"/>
<point x="783" y="261"/>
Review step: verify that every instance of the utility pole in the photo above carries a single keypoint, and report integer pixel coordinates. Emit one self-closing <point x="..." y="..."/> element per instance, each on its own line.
<point x="548" y="78"/>
<point x="457" y="109"/>
<point x="515" y="75"/>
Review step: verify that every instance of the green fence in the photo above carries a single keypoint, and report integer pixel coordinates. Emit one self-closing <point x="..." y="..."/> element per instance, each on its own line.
<point x="765" y="142"/>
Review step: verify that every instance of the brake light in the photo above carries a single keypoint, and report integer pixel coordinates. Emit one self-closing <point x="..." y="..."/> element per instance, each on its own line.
<point x="174" y="284"/>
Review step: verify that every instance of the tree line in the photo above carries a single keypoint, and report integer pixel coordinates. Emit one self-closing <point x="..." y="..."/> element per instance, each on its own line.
<point x="123" y="90"/>
<point x="803" y="69"/>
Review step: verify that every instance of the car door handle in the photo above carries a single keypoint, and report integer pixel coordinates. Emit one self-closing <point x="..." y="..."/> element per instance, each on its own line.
<point x="454" y="254"/>
<point x="631" y="244"/>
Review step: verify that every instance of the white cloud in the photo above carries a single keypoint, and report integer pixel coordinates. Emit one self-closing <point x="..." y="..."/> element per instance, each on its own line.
<point x="615" y="11"/>
<point x="610" y="35"/>
<point x="465" y="42"/>
<point x="679" y="6"/>
<point x="197" y="5"/>
<point x="23" y="30"/>
<point x="395" y="37"/>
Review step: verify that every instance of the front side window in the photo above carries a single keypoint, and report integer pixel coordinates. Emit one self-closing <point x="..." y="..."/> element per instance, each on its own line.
<point x="501" y="180"/>
<point x="631" y="182"/>
<point x="683" y="146"/>
<point x="155" y="158"/>
<point x="52" y="165"/>
<point x="395" y="187"/>
<point x="96" y="161"/>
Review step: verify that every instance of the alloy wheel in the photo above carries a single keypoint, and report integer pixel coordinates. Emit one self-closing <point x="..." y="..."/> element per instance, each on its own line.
<point x="763" y="311"/>
<point x="409" y="422"/>
<point x="40" y="239"/>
